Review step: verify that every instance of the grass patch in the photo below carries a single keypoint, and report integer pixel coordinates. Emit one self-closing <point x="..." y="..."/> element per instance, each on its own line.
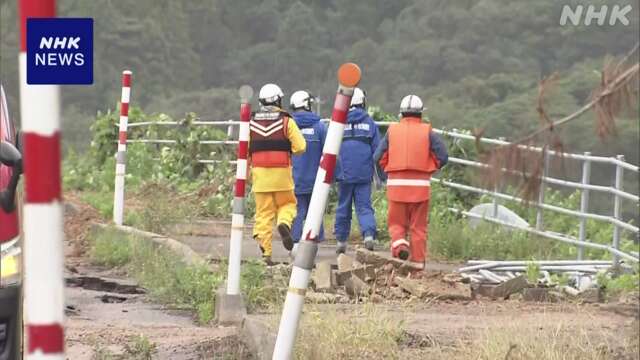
<point x="157" y="207"/>
<point x="167" y="278"/>
<point x="369" y="334"/>
<point x="101" y="201"/>
<point x="137" y="348"/>
<point x="140" y="348"/>
<point x="259" y="289"/>
<point x="456" y="240"/>
<point x="561" y="343"/>
<point x="109" y="249"/>
<point x="619" y="284"/>
<point x="171" y="281"/>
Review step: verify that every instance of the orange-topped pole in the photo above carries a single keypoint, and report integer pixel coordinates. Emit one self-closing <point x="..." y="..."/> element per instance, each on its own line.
<point x="348" y="78"/>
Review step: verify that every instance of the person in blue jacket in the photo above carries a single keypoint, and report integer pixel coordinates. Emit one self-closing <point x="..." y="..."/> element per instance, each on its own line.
<point x="305" y="166"/>
<point x="355" y="173"/>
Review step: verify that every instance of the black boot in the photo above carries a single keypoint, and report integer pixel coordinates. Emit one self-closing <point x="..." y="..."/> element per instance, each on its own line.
<point x="285" y="233"/>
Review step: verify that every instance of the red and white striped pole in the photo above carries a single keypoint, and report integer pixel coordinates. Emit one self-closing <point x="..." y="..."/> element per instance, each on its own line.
<point x="237" y="218"/>
<point x="43" y="236"/>
<point x="121" y="155"/>
<point x="348" y="77"/>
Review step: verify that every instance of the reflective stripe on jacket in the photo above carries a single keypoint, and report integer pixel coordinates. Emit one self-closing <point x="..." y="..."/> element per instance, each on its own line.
<point x="409" y="162"/>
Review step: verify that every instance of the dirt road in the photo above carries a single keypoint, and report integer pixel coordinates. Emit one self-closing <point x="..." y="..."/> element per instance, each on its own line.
<point x="107" y="320"/>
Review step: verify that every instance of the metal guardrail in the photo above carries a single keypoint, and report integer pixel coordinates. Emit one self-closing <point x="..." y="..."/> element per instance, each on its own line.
<point x="585" y="187"/>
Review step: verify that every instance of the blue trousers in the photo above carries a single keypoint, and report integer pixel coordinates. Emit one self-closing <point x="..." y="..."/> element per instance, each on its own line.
<point x="360" y="195"/>
<point x="298" y="222"/>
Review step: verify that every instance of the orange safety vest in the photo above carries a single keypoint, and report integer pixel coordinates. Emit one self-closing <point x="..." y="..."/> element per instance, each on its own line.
<point x="410" y="162"/>
<point x="269" y="145"/>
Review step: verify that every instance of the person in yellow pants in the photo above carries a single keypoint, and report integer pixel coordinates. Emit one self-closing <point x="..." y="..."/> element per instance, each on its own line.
<point x="273" y="138"/>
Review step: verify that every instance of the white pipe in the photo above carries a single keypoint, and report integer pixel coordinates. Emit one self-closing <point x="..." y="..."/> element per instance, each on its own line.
<point x="291" y="313"/>
<point x="541" y="262"/>
<point x="305" y="256"/>
<point x="235" y="255"/>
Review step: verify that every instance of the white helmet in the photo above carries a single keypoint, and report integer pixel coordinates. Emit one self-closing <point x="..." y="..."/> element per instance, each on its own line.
<point x="270" y="94"/>
<point x="301" y="100"/>
<point x="411" y="104"/>
<point x="359" y="98"/>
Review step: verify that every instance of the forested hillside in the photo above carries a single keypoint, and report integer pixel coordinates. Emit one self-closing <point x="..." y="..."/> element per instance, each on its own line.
<point x="477" y="63"/>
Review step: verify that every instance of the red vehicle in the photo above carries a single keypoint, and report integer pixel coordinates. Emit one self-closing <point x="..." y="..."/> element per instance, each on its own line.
<point x="10" y="246"/>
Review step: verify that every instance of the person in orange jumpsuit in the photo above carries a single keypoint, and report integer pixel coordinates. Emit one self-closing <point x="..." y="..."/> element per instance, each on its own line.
<point x="409" y="154"/>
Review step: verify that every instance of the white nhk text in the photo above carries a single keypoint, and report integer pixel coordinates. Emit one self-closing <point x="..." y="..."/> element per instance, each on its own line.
<point x="59" y="58"/>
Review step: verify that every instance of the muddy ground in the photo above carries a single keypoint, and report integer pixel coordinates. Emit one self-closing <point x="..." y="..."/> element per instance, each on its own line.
<point x="108" y="313"/>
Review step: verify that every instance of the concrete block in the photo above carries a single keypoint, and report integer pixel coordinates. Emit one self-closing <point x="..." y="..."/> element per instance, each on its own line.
<point x="591" y="296"/>
<point x="345" y="262"/>
<point x="379" y="259"/>
<point x="411" y="286"/>
<point x="356" y="287"/>
<point x="509" y="287"/>
<point x="537" y="294"/>
<point x="365" y="273"/>
<point x="259" y="337"/>
<point x="322" y="277"/>
<point x="230" y="309"/>
<point x="485" y="290"/>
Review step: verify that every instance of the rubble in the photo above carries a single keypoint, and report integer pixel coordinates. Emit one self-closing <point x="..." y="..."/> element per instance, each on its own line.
<point x="590" y="296"/>
<point x="322" y="277"/>
<point x="414" y="287"/>
<point x="379" y="259"/>
<point x="557" y="280"/>
<point x="364" y="272"/>
<point x="356" y="287"/>
<point x="509" y="287"/>
<point x="345" y="262"/>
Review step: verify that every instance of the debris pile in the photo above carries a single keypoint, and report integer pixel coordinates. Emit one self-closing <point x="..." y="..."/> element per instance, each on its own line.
<point x="377" y="277"/>
<point x="552" y="280"/>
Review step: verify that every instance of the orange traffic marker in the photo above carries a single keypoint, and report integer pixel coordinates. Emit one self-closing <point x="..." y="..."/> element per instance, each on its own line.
<point x="349" y="75"/>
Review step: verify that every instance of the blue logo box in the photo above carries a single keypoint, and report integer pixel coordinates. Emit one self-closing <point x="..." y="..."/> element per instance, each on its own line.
<point x="59" y="51"/>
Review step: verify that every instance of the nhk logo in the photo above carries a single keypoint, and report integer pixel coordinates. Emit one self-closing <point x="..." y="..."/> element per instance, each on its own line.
<point x="591" y="14"/>
<point x="59" y="51"/>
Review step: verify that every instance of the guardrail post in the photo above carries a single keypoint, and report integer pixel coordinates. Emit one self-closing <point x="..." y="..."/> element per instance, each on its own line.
<point x="495" y="202"/>
<point x="584" y="203"/>
<point x="121" y="155"/>
<point x="545" y="173"/>
<point x="231" y="132"/>
<point x="616" y="210"/>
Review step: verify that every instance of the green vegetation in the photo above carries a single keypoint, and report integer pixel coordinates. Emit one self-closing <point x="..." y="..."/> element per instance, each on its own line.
<point x="371" y="333"/>
<point x="258" y="289"/>
<point x="137" y="348"/>
<point x="619" y="284"/>
<point x="169" y="280"/>
<point x="533" y="273"/>
<point x="564" y="342"/>
<point x="140" y="348"/>
<point x="476" y="63"/>
<point x="172" y="189"/>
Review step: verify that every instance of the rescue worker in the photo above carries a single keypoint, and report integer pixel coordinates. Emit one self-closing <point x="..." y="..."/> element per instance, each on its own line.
<point x="355" y="172"/>
<point x="409" y="154"/>
<point x="273" y="137"/>
<point x="305" y="166"/>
